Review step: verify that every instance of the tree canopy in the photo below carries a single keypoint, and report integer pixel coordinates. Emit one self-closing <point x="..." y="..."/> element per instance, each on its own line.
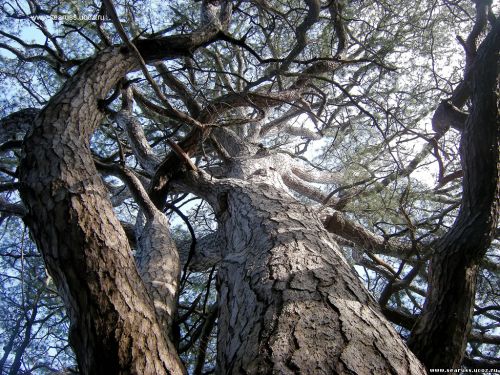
<point x="379" y="117"/>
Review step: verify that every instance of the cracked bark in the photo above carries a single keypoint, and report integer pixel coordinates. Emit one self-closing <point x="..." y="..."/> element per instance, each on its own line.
<point x="114" y="327"/>
<point x="289" y="302"/>
<point x="113" y="324"/>
<point x="156" y="254"/>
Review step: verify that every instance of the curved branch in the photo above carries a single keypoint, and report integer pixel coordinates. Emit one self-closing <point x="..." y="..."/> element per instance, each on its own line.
<point x="340" y="225"/>
<point x="135" y="133"/>
<point x="298" y="185"/>
<point x="15" y="125"/>
<point x="317" y="176"/>
<point x="454" y="265"/>
<point x="301" y="32"/>
<point x="63" y="187"/>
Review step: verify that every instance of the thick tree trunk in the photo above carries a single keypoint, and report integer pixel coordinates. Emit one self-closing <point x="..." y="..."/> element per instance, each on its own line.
<point x="114" y="329"/>
<point x="289" y="302"/>
<point x="440" y="336"/>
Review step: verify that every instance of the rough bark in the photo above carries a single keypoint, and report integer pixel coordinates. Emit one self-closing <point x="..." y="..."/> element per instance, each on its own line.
<point x="114" y="328"/>
<point x="159" y="267"/>
<point x="440" y="335"/>
<point x="294" y="302"/>
<point x="289" y="302"/>
<point x="113" y="324"/>
<point x="156" y="255"/>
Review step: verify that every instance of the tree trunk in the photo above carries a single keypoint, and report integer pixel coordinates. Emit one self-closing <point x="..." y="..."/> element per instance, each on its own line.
<point x="289" y="301"/>
<point x="440" y="336"/>
<point x="114" y="329"/>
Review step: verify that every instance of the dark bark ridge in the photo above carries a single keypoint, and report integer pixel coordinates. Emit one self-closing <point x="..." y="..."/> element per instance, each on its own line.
<point x="440" y="335"/>
<point x="114" y="327"/>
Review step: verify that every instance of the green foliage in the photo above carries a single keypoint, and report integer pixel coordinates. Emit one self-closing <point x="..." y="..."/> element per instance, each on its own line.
<point x="33" y="323"/>
<point x="372" y="117"/>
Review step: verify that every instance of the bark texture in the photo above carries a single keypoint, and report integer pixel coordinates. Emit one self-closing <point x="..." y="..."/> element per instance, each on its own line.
<point x="289" y="302"/>
<point x="156" y="254"/>
<point x="158" y="264"/>
<point x="114" y="329"/>
<point x="440" y="335"/>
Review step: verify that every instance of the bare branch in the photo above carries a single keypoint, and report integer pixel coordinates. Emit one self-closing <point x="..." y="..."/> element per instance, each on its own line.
<point x="135" y="133"/>
<point x="15" y="125"/>
<point x="317" y="176"/>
